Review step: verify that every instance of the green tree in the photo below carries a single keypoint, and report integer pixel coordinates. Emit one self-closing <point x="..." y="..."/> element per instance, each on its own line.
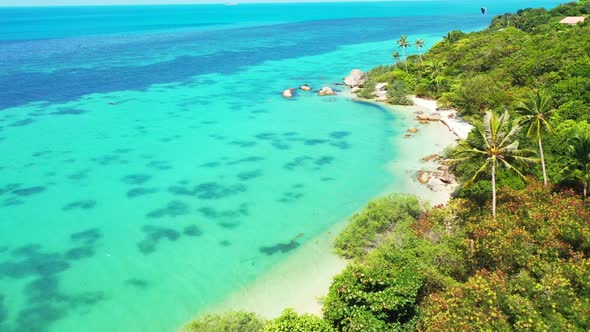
<point x="500" y="147"/>
<point x="233" y="321"/>
<point x="290" y="321"/>
<point x="419" y="44"/>
<point x="395" y="56"/>
<point x="535" y="114"/>
<point x="403" y="43"/>
<point x="580" y="168"/>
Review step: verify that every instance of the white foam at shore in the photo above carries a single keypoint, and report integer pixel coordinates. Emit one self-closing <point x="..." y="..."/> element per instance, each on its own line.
<point x="450" y="117"/>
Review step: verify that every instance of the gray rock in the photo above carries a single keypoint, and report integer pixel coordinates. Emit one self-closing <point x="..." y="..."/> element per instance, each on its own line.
<point x="355" y="78"/>
<point x="288" y="93"/>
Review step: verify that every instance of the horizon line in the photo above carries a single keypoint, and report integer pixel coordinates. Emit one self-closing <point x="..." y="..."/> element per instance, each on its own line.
<point x="212" y="2"/>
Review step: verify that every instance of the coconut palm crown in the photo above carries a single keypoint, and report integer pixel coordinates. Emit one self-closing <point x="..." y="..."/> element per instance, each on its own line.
<point x="535" y="114"/>
<point x="500" y="147"/>
<point x="403" y="43"/>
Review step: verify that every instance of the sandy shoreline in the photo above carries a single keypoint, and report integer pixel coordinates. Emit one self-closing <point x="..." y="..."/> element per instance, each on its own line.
<point x="300" y="281"/>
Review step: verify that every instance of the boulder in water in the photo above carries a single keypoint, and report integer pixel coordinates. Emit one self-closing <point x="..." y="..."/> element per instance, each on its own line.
<point x="288" y="93"/>
<point x="326" y="91"/>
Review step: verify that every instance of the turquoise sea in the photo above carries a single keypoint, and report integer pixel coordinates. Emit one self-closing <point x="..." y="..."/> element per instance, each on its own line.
<point x="149" y="165"/>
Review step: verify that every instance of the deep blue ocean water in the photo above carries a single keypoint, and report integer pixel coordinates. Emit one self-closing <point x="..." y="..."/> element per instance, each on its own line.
<point x="150" y="166"/>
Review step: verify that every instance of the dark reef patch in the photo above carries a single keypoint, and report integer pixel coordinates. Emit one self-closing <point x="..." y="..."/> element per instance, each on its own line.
<point x="243" y="144"/>
<point x="109" y="159"/>
<point x="138" y="283"/>
<point x="22" y="123"/>
<point x="211" y="164"/>
<point x="26" y="250"/>
<point x="324" y="160"/>
<point x="213" y="213"/>
<point x="136" y="192"/>
<point x="160" y="165"/>
<point x="172" y="209"/>
<point x="81" y="205"/>
<point x="155" y="234"/>
<point x="80" y="175"/>
<point x="342" y="145"/>
<point x="72" y="111"/>
<point x="12" y="201"/>
<point x="3" y="313"/>
<point x="79" y="253"/>
<point x="207" y="190"/>
<point x="249" y="175"/>
<point x="265" y="136"/>
<point x="245" y="160"/>
<point x="28" y="191"/>
<point x="192" y="230"/>
<point x="290" y="197"/>
<point x="315" y="141"/>
<point x="339" y="134"/>
<point x="297" y="162"/>
<point x="225" y="243"/>
<point x="136" y="179"/>
<point x="280" y="146"/>
<point x="279" y="247"/>
<point x="228" y="225"/>
<point x="89" y="236"/>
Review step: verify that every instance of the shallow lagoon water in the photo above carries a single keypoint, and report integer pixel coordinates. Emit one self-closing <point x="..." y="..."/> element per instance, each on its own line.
<point x="149" y="170"/>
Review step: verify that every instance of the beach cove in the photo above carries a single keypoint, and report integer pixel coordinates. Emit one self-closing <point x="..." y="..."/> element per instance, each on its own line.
<point x="153" y="170"/>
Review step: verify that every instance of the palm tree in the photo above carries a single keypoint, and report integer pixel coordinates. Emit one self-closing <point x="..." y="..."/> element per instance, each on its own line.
<point x="580" y="168"/>
<point x="403" y="43"/>
<point x="436" y="70"/>
<point x="419" y="44"/>
<point x="500" y="146"/>
<point x="535" y="114"/>
<point x="395" y="55"/>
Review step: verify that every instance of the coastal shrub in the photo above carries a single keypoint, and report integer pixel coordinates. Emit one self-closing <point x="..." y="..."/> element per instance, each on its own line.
<point x="530" y="266"/>
<point x="234" y="321"/>
<point x="366" y="228"/>
<point x="398" y="92"/>
<point x="290" y="321"/>
<point x="365" y="298"/>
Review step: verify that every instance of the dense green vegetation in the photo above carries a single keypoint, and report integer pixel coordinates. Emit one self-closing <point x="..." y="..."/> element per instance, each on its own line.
<point x="528" y="63"/>
<point x="523" y="266"/>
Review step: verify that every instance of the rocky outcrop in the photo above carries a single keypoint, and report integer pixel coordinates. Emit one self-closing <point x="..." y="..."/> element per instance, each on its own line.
<point x="423" y="177"/>
<point x="356" y="78"/>
<point x="429" y="117"/>
<point x="305" y="87"/>
<point x="356" y="89"/>
<point x="413" y="130"/>
<point x="288" y="93"/>
<point x="326" y="91"/>
<point x="380" y="92"/>
<point x="435" y="157"/>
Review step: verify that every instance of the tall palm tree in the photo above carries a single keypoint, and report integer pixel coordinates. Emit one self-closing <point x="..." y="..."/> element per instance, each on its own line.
<point x="395" y="55"/>
<point x="419" y="44"/>
<point x="499" y="147"/>
<point x="580" y="168"/>
<point x="535" y="114"/>
<point x="403" y="43"/>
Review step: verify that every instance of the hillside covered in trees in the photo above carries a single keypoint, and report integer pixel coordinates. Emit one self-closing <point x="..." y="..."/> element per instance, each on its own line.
<point x="511" y="250"/>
